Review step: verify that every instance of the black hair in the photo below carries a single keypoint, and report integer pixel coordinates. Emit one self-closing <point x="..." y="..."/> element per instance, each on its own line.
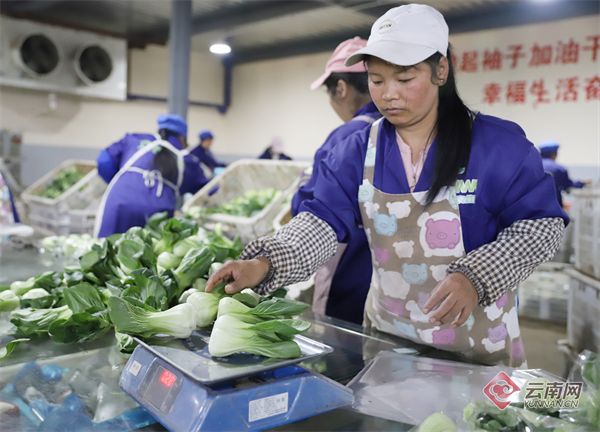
<point x="453" y="130"/>
<point x="358" y="80"/>
<point x="165" y="161"/>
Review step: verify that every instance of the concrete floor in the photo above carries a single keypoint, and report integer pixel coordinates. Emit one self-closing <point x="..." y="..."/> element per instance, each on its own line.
<point x="540" y="338"/>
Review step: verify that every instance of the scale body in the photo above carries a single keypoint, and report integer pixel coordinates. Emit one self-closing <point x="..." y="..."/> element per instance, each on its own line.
<point x="186" y="390"/>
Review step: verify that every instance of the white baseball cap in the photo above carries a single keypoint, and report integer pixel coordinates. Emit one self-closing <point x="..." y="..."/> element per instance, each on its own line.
<point x="405" y="35"/>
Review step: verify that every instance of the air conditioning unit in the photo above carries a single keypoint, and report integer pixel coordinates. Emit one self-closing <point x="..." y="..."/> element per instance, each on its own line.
<point x="55" y="59"/>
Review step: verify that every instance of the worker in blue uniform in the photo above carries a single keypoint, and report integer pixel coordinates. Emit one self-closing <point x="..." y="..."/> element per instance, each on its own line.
<point x="146" y="174"/>
<point x="203" y="152"/>
<point x="455" y="204"/>
<point x="549" y="152"/>
<point x="342" y="284"/>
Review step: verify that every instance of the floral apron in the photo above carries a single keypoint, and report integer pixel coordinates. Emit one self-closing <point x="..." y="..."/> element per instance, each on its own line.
<point x="411" y="248"/>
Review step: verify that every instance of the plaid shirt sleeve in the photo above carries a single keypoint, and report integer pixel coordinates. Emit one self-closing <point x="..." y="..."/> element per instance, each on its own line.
<point x="502" y="264"/>
<point x="295" y="252"/>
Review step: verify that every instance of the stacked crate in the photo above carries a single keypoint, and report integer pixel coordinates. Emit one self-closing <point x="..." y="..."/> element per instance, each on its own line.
<point x="73" y="211"/>
<point x="586" y="217"/>
<point x="244" y="176"/>
<point x="545" y="294"/>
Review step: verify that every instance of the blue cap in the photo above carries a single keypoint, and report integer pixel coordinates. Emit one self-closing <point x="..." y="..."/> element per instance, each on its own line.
<point x="173" y="123"/>
<point x="548" y="147"/>
<point x="205" y="134"/>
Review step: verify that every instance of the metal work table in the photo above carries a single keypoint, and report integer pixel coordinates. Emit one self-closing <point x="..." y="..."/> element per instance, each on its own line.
<point x="20" y="259"/>
<point x="353" y="349"/>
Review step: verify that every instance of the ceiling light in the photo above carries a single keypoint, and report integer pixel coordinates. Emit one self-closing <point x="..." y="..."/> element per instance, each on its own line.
<point x="220" y="48"/>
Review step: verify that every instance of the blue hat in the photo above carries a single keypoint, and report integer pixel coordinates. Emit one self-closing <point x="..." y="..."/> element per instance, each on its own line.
<point x="548" y="147"/>
<point x="205" y="134"/>
<point x="173" y="123"/>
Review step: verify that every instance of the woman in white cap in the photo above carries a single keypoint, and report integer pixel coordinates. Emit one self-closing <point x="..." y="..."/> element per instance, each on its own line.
<point x="455" y="204"/>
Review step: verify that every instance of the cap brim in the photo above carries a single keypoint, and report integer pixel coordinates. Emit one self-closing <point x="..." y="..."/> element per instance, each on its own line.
<point x="398" y="53"/>
<point x="320" y="81"/>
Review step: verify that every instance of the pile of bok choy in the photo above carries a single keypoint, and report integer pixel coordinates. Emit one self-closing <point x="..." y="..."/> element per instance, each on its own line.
<point x="247" y="205"/>
<point x="149" y="282"/>
<point x="131" y="282"/>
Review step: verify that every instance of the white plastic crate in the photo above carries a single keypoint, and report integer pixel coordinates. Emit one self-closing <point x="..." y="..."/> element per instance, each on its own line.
<point x="545" y="294"/>
<point x="243" y="176"/>
<point x="284" y="215"/>
<point x="583" y="325"/>
<point x="586" y="218"/>
<point x="74" y="211"/>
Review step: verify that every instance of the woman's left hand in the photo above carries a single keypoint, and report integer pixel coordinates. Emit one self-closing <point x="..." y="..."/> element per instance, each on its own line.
<point x="452" y="300"/>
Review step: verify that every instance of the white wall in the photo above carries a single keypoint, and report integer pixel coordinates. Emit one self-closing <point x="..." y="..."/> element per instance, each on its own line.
<point x="272" y="98"/>
<point x="574" y="124"/>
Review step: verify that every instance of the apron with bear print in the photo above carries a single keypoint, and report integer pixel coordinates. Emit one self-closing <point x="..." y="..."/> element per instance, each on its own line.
<point x="411" y="248"/>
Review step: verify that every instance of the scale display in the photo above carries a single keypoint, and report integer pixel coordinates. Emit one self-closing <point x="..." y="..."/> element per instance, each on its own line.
<point x="160" y="387"/>
<point x="188" y="391"/>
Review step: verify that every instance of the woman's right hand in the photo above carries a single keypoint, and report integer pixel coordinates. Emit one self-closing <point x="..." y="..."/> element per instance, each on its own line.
<point x="240" y="274"/>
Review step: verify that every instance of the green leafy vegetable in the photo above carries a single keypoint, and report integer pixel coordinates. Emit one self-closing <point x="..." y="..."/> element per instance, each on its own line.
<point x="7" y="349"/>
<point x="438" y="422"/>
<point x="37" y="298"/>
<point x="125" y="342"/>
<point x="231" y="335"/>
<point x="148" y="288"/>
<point x="21" y="287"/>
<point x="80" y="327"/>
<point x="246" y="205"/>
<point x="30" y="322"/>
<point x="194" y="265"/>
<point x="167" y="261"/>
<point x="249" y="297"/>
<point x="174" y="230"/>
<point x="83" y="298"/>
<point x="205" y="307"/>
<point x="8" y="301"/>
<point x="178" y="321"/>
<point x="62" y="182"/>
<point x="183" y="246"/>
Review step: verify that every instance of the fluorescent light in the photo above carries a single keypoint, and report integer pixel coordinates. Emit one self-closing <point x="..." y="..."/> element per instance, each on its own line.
<point x="220" y="48"/>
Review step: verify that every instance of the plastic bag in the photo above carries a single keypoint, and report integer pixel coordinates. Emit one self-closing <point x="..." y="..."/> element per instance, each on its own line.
<point x="408" y="389"/>
<point x="587" y="370"/>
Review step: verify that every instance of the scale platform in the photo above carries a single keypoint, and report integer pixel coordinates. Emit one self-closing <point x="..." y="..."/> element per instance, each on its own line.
<point x="186" y="389"/>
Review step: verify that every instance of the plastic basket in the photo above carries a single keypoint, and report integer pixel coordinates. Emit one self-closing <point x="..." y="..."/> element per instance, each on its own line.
<point x="586" y="218"/>
<point x="243" y="176"/>
<point x="545" y="294"/>
<point x="583" y="324"/>
<point x="74" y="211"/>
<point x="284" y="215"/>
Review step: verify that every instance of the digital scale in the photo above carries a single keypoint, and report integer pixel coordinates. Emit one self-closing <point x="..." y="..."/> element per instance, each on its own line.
<point x="186" y="389"/>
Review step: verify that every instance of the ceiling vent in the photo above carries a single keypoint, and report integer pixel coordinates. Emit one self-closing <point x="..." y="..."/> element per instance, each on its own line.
<point x="54" y="59"/>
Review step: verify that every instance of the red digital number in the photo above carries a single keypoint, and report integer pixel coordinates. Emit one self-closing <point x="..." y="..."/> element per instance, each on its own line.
<point x="167" y="378"/>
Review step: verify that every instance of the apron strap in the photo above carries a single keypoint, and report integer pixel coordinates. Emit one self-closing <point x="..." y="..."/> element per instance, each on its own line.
<point x="364" y="118"/>
<point x="369" y="167"/>
<point x="152" y="177"/>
